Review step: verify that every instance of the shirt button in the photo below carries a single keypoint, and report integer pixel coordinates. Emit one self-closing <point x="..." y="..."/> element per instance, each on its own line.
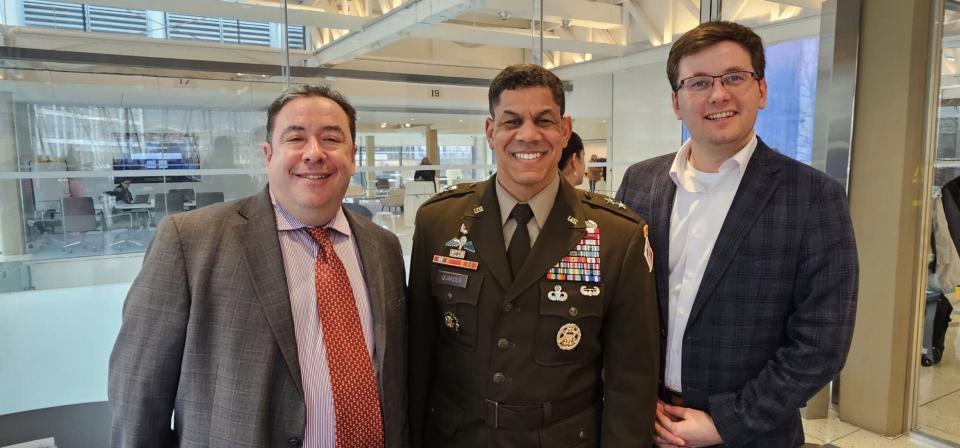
<point x="573" y="311"/>
<point x="294" y="442"/>
<point x="499" y="378"/>
<point x="507" y="307"/>
<point x="688" y="274"/>
<point x="503" y="344"/>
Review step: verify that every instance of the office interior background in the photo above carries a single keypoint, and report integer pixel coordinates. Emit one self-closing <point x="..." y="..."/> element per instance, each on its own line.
<point x="173" y="99"/>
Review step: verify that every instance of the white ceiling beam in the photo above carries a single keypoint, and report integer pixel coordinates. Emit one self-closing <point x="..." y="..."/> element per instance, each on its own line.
<point x="242" y="9"/>
<point x="736" y="8"/>
<point x="409" y="18"/>
<point x="773" y="33"/>
<point x="691" y="6"/>
<point x="514" y="39"/>
<point x="578" y="12"/>
<point x="813" y="4"/>
<point x="654" y="35"/>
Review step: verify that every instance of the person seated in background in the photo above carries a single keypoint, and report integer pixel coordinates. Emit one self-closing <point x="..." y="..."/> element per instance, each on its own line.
<point x="571" y="165"/>
<point x="425" y="175"/>
<point x="122" y="191"/>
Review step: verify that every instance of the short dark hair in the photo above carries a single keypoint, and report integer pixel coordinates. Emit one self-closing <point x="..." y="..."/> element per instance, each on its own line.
<point x="522" y="76"/>
<point x="708" y="34"/>
<point x="307" y="91"/>
<point x="574" y="146"/>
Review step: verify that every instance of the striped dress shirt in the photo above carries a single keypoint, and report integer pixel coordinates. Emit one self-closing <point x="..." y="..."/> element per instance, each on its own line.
<point x="299" y="262"/>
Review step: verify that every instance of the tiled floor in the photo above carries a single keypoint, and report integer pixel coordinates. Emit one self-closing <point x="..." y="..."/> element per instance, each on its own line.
<point x="938" y="417"/>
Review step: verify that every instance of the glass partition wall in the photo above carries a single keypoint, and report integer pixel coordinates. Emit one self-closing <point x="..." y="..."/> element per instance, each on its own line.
<point x="170" y="105"/>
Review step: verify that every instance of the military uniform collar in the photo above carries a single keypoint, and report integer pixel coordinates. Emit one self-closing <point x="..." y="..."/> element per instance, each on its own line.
<point x="541" y="203"/>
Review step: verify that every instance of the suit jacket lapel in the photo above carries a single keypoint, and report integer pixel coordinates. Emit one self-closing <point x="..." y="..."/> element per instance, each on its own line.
<point x="370" y="259"/>
<point x="485" y="228"/>
<point x="554" y="242"/>
<point x="756" y="187"/>
<point x="663" y="193"/>
<point x="264" y="261"/>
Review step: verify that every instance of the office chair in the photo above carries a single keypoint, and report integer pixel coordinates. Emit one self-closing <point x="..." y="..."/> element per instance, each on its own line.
<point x="117" y="221"/>
<point x="188" y="194"/>
<point x="79" y="216"/>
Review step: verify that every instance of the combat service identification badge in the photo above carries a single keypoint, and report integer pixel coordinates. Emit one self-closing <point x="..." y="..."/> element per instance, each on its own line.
<point x="568" y="337"/>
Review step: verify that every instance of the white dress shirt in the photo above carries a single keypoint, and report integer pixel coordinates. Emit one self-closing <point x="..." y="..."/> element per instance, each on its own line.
<point x="299" y="261"/>
<point x="699" y="209"/>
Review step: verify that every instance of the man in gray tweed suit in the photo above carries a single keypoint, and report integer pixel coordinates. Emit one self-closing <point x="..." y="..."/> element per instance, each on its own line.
<point x="273" y="320"/>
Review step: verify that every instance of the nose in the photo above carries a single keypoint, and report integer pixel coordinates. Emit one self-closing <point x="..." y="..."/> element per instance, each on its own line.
<point x="528" y="132"/>
<point x="719" y="92"/>
<point x="312" y="151"/>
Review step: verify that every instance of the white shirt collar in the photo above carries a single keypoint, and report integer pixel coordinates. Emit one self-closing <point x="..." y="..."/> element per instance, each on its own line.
<point x="684" y="175"/>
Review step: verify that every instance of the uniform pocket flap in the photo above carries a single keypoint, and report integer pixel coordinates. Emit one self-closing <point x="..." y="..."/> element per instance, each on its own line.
<point x="575" y="431"/>
<point x="444" y="414"/>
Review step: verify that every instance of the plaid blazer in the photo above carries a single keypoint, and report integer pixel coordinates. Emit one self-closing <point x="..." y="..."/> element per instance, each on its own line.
<point x="772" y="321"/>
<point x="208" y="336"/>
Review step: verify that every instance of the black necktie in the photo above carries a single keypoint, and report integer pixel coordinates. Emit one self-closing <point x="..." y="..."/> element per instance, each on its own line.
<point x="520" y="243"/>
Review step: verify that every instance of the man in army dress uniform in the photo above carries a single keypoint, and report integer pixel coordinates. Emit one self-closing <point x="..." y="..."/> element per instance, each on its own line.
<point x="533" y="320"/>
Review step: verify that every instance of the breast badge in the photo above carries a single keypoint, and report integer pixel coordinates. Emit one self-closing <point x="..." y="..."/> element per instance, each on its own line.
<point x="557" y="295"/>
<point x="568" y="337"/>
<point x="460" y="247"/>
<point x="582" y="264"/>
<point x="592" y="291"/>
<point x="450" y="321"/>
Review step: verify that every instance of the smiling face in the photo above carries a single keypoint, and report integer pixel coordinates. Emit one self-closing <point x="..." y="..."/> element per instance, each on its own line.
<point x="310" y="159"/>
<point x="527" y="134"/>
<point x="721" y="119"/>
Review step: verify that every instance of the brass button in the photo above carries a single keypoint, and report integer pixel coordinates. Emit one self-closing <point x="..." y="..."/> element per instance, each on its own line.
<point x="499" y="378"/>
<point x="449" y="296"/>
<point x="582" y="435"/>
<point x="573" y="311"/>
<point x="507" y="307"/>
<point x="503" y="344"/>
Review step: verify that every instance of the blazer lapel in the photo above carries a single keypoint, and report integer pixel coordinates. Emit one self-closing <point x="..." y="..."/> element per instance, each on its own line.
<point x="663" y="193"/>
<point x="556" y="238"/>
<point x="370" y="259"/>
<point x="264" y="261"/>
<point x="485" y="228"/>
<point x="756" y="187"/>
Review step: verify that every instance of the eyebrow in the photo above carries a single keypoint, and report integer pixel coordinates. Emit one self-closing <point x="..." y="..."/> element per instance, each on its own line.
<point x="735" y="68"/>
<point x="538" y="115"/>
<point x="298" y="128"/>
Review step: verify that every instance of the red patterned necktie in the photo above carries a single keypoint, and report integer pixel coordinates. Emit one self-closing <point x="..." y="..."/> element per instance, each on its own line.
<point x="352" y="378"/>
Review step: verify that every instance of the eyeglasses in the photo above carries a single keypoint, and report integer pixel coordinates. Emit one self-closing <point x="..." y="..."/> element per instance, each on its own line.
<point x="703" y="83"/>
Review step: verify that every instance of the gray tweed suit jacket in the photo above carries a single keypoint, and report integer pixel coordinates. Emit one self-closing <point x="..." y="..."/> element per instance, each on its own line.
<point x="772" y="321"/>
<point x="208" y="336"/>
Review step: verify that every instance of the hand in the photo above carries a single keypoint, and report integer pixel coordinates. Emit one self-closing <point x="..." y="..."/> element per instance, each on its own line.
<point x="662" y="437"/>
<point x="694" y="427"/>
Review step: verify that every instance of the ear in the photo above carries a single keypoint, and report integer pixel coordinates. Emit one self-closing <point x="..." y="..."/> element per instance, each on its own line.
<point x="488" y="129"/>
<point x="676" y="105"/>
<point x="566" y="124"/>
<point x="763" y="93"/>
<point x="353" y="160"/>
<point x="267" y="151"/>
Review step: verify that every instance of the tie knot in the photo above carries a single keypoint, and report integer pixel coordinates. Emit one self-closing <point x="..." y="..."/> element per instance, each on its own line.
<point x="319" y="234"/>
<point x="521" y="213"/>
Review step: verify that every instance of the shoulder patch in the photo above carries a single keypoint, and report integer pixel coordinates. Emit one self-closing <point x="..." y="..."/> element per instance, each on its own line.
<point x="452" y="191"/>
<point x="598" y="200"/>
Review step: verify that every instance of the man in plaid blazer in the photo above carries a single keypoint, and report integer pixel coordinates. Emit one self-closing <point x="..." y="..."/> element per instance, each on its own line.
<point x="754" y="253"/>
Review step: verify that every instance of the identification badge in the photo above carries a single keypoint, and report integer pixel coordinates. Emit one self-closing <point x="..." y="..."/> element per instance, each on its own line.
<point x="452" y="278"/>
<point x="557" y="295"/>
<point x="450" y="321"/>
<point x="568" y="337"/>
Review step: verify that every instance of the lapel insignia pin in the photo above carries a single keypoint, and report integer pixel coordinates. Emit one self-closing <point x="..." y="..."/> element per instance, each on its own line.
<point x="557" y="295"/>
<point x="573" y="220"/>
<point x="478" y="210"/>
<point x="450" y="321"/>
<point x="463" y="228"/>
<point x="568" y="337"/>
<point x="590" y="292"/>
